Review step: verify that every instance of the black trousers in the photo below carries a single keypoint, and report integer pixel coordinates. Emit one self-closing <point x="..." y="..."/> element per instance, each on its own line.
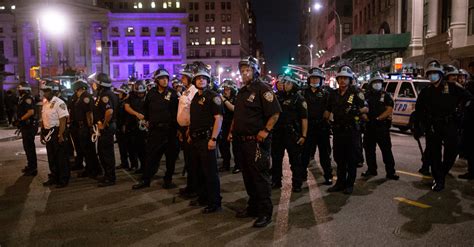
<point x="317" y="138"/>
<point x="346" y="154"/>
<point x="57" y="158"/>
<point x="468" y="149"/>
<point x="283" y="140"/>
<point x="105" y="146"/>
<point x="254" y="159"/>
<point x="378" y="135"/>
<point x="161" y="140"/>
<point x="123" y="140"/>
<point x="28" y="133"/>
<point x="225" y="147"/>
<point x="205" y="166"/>
<point x="191" y="177"/>
<point x="85" y="150"/>
<point x="136" y="143"/>
<point x="443" y="136"/>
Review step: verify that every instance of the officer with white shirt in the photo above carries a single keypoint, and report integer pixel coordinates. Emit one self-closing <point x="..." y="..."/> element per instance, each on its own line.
<point x="54" y="116"/>
<point x="183" y="119"/>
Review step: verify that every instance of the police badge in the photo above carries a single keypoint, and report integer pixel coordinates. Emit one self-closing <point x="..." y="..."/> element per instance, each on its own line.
<point x="217" y="100"/>
<point x="268" y="96"/>
<point x="361" y="96"/>
<point x="87" y="100"/>
<point x="305" y="106"/>
<point x="29" y="101"/>
<point x="105" y="99"/>
<point x="62" y="106"/>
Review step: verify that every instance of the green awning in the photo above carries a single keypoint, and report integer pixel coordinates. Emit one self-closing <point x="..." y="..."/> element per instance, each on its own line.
<point x="379" y="42"/>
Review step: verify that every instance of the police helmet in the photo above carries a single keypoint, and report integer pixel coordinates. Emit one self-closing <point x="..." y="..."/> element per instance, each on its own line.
<point x="251" y="62"/>
<point x="123" y="89"/>
<point x="24" y="86"/>
<point x="160" y="73"/>
<point x="345" y="71"/>
<point x="139" y="86"/>
<point x="79" y="84"/>
<point x="187" y="71"/>
<point x="450" y="70"/>
<point x="150" y="83"/>
<point x="201" y="71"/>
<point x="50" y="85"/>
<point x="376" y="76"/>
<point x="434" y="66"/>
<point x="230" y="84"/>
<point x="463" y="72"/>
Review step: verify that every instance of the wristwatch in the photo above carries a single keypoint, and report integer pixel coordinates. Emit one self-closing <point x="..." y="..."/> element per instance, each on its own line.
<point x="213" y="139"/>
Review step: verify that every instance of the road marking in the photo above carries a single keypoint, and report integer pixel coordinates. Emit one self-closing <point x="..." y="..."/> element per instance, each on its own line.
<point x="281" y="223"/>
<point x="412" y="203"/>
<point x="414" y="174"/>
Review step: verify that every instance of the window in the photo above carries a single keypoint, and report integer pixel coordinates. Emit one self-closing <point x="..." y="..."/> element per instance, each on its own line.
<point x="347" y="28"/>
<point x="228" y="5"/>
<point x="191" y="30"/>
<point x="228" y="29"/>
<point x="196" y="18"/>
<point x="153" y="5"/>
<point x="196" y="29"/>
<point x="131" y="70"/>
<point x="229" y="41"/>
<point x="196" y="53"/>
<point x="391" y="87"/>
<point x="146" y="69"/>
<point x="196" y="42"/>
<point x="191" y="6"/>
<point x="161" y="66"/>
<point x="213" y="53"/>
<point x="471" y="18"/>
<point x="208" y="42"/>
<point x="116" y="71"/>
<point x="191" y="18"/>
<point x="2" y="48"/>
<point x="445" y="15"/>
<point x="406" y="91"/>
<point x="160" y="31"/>
<point x="213" y="5"/>
<point x="223" y="5"/>
<point x="15" y="48"/>
<point x="115" y="31"/>
<point x="176" y="68"/>
<point x="175" y="47"/>
<point x="161" y="48"/>
<point x="145" y="31"/>
<point x="213" y="30"/>
<point x="229" y="52"/>
<point x="223" y="29"/>
<point x="207" y="29"/>
<point x="178" y="4"/>
<point x="115" y="48"/>
<point x="213" y="40"/>
<point x="130" y="48"/>
<point x="206" y="6"/>
<point x="196" y="6"/>
<point x="175" y="30"/>
<point x="146" y="51"/>
<point x="1" y="29"/>
<point x="130" y="31"/>
<point x="223" y="18"/>
<point x="223" y="41"/>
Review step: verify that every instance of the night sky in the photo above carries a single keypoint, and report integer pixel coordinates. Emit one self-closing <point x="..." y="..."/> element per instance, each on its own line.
<point x="278" y="29"/>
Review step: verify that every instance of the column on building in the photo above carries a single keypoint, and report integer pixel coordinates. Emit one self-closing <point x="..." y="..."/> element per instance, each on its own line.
<point x="458" y="23"/>
<point x="432" y="18"/>
<point x="22" y="40"/>
<point x="105" y="47"/>
<point x="88" y="30"/>
<point x="416" y="42"/>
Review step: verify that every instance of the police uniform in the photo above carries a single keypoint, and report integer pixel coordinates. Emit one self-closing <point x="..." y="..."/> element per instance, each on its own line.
<point x="52" y="111"/>
<point x="28" y="129"/>
<point x="136" y="135"/>
<point x="436" y="107"/>
<point x="79" y="108"/>
<point x="224" y="144"/>
<point x="204" y="108"/>
<point x="286" y="135"/>
<point x="346" y="134"/>
<point x="160" y="111"/>
<point x="122" y="134"/>
<point x="184" y="120"/>
<point x="254" y="105"/>
<point x="468" y="136"/>
<point x="318" y="132"/>
<point x="378" y="132"/>
<point x="106" y="100"/>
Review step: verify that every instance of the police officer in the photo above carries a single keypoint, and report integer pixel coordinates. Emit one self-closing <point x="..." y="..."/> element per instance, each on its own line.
<point x="229" y="91"/>
<point x="177" y="86"/>
<point x="26" y="122"/>
<point x="135" y="126"/>
<point x="161" y="106"/>
<point x="81" y="120"/>
<point x="105" y="116"/>
<point x="318" y="129"/>
<point x="206" y="120"/>
<point x="436" y="106"/>
<point x="468" y="136"/>
<point x="54" y="115"/>
<point x="347" y="106"/>
<point x="256" y="111"/>
<point x="290" y="134"/>
<point x="184" y="120"/>
<point x="149" y="84"/>
<point x="122" y="134"/>
<point x="377" y="132"/>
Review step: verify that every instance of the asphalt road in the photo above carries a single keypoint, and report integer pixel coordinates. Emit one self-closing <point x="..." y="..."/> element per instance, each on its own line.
<point x="378" y="213"/>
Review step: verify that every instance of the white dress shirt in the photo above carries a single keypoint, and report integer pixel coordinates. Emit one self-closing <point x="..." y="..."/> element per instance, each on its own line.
<point x="52" y="111"/>
<point x="184" y="106"/>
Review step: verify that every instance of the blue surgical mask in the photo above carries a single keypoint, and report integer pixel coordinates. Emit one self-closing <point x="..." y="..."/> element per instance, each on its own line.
<point x="434" y="77"/>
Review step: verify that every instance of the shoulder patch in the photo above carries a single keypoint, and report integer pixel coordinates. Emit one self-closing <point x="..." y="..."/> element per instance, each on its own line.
<point x="217" y="100"/>
<point x="62" y="106"/>
<point x="361" y="96"/>
<point x="305" y="106"/>
<point x="87" y="100"/>
<point x="29" y="101"/>
<point x="268" y="96"/>
<point x="105" y="99"/>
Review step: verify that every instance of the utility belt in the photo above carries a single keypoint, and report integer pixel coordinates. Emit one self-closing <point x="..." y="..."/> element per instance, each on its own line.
<point x="201" y="134"/>
<point x="245" y="138"/>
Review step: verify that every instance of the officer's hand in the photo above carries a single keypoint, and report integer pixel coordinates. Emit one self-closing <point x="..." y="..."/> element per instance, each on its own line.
<point x="211" y="145"/>
<point x="189" y="140"/>
<point x="100" y="126"/>
<point x="262" y="135"/>
<point x="60" y="138"/>
<point x="417" y="135"/>
<point x="180" y="137"/>
<point x="300" y="141"/>
<point x="229" y="137"/>
<point x="140" y="116"/>
<point x="42" y="140"/>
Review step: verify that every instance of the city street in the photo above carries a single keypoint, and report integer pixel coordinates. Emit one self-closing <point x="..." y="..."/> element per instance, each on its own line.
<point x="378" y="213"/>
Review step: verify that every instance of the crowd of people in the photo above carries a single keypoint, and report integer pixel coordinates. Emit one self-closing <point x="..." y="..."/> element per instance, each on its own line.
<point x="252" y="125"/>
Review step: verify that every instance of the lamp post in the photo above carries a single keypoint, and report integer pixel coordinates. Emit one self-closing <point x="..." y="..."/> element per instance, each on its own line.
<point x="318" y="6"/>
<point x="310" y="49"/>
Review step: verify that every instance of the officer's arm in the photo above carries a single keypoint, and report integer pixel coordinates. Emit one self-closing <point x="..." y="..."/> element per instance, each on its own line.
<point x="272" y="121"/>
<point x="387" y="113"/>
<point x="62" y="125"/>
<point x="90" y="118"/>
<point x="229" y="105"/>
<point x="304" y="127"/>
<point x="216" y="129"/>
<point x="27" y="115"/>
<point x="108" y="116"/>
<point x="130" y="110"/>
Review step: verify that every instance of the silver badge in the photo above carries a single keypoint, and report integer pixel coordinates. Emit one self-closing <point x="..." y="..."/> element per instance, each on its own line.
<point x="251" y="98"/>
<point x="105" y="99"/>
<point x="29" y="101"/>
<point x="268" y="96"/>
<point x="305" y="106"/>
<point x="217" y="100"/>
<point x="361" y="96"/>
<point x="87" y="100"/>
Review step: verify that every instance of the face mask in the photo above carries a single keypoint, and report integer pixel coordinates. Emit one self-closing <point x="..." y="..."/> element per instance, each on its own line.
<point x="434" y="77"/>
<point x="377" y="86"/>
<point x="314" y="85"/>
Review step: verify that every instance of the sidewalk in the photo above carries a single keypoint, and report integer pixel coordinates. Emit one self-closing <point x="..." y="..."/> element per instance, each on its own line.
<point x="7" y="132"/>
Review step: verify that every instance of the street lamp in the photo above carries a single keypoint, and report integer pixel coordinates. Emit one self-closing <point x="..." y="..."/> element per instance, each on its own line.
<point x="310" y="49"/>
<point x="318" y="6"/>
<point x="219" y="71"/>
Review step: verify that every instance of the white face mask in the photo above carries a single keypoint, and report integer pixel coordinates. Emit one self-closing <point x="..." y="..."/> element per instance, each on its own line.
<point x="434" y="77"/>
<point x="377" y="86"/>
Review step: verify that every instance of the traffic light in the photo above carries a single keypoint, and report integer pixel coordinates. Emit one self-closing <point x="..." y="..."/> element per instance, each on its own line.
<point x="35" y="72"/>
<point x="287" y="71"/>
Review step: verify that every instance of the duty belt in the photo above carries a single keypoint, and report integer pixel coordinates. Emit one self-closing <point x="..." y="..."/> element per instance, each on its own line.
<point x="246" y="138"/>
<point x="203" y="134"/>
